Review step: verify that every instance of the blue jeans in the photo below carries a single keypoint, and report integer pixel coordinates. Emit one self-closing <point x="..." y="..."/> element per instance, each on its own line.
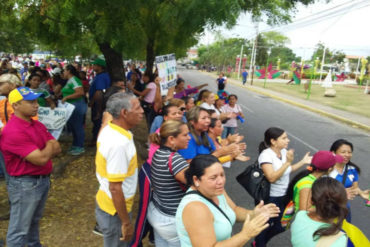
<point x="227" y="131"/>
<point x="27" y="201"/>
<point x="165" y="234"/>
<point x="274" y="223"/>
<point x="110" y="225"/>
<point x="76" y="123"/>
<point x="349" y="215"/>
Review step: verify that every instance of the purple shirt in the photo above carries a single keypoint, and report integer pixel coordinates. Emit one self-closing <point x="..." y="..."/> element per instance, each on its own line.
<point x="186" y="92"/>
<point x="19" y="138"/>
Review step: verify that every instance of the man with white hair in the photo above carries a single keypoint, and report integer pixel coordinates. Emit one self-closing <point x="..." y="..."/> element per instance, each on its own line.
<point x="116" y="170"/>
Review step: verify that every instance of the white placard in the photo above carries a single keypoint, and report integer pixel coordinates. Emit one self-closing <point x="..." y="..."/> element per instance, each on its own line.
<point x="166" y="65"/>
<point x="55" y="119"/>
<point x="52" y="118"/>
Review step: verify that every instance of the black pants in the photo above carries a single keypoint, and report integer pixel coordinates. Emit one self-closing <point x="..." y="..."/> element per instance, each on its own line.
<point x="96" y="122"/>
<point x="275" y="223"/>
<point x="149" y="113"/>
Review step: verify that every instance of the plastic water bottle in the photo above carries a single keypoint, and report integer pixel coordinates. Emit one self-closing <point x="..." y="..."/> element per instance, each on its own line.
<point x="241" y="119"/>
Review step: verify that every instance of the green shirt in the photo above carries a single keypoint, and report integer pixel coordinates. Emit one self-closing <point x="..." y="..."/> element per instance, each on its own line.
<point x="45" y="94"/>
<point x="70" y="87"/>
<point x="303" y="183"/>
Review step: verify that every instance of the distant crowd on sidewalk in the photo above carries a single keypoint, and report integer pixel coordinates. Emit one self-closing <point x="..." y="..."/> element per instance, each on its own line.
<point x="193" y="140"/>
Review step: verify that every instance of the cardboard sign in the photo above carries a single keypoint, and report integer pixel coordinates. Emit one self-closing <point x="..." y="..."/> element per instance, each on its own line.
<point x="166" y="65"/>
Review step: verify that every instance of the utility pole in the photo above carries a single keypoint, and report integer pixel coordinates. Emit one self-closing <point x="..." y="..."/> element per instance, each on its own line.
<point x="322" y="62"/>
<point x="240" y="61"/>
<point x="252" y="56"/>
<point x="254" y="53"/>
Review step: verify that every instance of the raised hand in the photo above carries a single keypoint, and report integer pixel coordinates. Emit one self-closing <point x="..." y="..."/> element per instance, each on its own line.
<point x="252" y="228"/>
<point x="307" y="158"/>
<point x="270" y="210"/>
<point x="290" y="155"/>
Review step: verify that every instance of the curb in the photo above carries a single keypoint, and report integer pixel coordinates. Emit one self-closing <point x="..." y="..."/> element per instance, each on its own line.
<point x="321" y="112"/>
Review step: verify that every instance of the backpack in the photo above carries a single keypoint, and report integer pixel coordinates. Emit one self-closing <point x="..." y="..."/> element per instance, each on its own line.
<point x="254" y="182"/>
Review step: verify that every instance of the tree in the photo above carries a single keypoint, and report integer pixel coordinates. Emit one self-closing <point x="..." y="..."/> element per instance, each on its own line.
<point x="135" y="29"/>
<point x="274" y="39"/>
<point x="330" y="56"/>
<point x="223" y="52"/>
<point x="13" y="36"/>
<point x="285" y="54"/>
<point x="261" y="52"/>
<point x="276" y="43"/>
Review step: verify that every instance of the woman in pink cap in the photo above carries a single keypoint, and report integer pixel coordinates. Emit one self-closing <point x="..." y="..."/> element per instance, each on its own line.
<point x="300" y="187"/>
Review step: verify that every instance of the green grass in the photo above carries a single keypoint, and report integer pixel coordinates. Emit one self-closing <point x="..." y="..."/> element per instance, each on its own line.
<point x="347" y="98"/>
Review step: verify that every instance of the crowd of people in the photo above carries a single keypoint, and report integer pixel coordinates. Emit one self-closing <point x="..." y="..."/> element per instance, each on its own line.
<point x="192" y="141"/>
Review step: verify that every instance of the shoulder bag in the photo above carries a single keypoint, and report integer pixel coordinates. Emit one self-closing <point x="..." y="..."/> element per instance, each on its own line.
<point x="254" y="182"/>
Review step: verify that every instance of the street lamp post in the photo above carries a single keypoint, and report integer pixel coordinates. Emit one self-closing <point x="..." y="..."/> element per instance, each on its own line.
<point x="267" y="62"/>
<point x="240" y="61"/>
<point x="322" y="62"/>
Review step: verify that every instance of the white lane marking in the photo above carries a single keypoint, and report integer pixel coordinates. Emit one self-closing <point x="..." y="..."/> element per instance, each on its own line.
<point x="243" y="106"/>
<point x="300" y="140"/>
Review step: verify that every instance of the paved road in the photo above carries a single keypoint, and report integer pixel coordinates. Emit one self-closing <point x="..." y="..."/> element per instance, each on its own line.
<point x="307" y="131"/>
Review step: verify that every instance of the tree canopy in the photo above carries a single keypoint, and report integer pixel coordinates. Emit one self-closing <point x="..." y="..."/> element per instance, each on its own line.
<point x="13" y="35"/>
<point x="134" y="29"/>
<point x="331" y="56"/>
<point x="223" y="52"/>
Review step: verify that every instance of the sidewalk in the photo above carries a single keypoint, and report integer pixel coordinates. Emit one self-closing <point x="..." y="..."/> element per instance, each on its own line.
<point x="355" y="120"/>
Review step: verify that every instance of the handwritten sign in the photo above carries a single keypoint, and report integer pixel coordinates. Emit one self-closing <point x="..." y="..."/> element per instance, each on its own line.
<point x="55" y="119"/>
<point x="166" y="65"/>
<point x="52" y="119"/>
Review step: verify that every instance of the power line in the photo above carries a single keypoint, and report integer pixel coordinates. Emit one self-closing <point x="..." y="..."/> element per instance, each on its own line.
<point x="314" y="20"/>
<point x="323" y="11"/>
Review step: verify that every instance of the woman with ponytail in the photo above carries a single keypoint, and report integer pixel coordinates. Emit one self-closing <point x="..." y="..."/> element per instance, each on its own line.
<point x="276" y="162"/>
<point x="167" y="181"/>
<point x="300" y="187"/>
<point x="322" y="226"/>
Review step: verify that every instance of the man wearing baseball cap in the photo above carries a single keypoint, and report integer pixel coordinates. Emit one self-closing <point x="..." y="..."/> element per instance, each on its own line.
<point x="322" y="163"/>
<point x="97" y="89"/>
<point x="27" y="147"/>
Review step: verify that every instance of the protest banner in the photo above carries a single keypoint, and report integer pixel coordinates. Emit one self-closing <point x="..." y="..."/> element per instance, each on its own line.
<point x="55" y="119"/>
<point x="166" y="65"/>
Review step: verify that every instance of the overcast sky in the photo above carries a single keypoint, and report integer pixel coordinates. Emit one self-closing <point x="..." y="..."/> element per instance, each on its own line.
<point x="347" y="31"/>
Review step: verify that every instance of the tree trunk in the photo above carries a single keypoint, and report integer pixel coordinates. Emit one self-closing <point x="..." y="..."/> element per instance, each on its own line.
<point x="150" y="57"/>
<point x="114" y="62"/>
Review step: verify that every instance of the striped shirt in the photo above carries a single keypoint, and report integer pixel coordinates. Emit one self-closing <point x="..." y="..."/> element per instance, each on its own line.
<point x="167" y="192"/>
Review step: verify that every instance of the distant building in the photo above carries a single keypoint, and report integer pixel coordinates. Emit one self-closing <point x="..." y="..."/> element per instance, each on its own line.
<point x="353" y="56"/>
<point x="192" y="54"/>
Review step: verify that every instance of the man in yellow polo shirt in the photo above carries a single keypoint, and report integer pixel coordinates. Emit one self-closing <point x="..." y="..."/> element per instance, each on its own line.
<point x="116" y="170"/>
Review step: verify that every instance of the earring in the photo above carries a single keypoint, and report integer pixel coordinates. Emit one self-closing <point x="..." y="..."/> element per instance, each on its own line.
<point x="196" y="184"/>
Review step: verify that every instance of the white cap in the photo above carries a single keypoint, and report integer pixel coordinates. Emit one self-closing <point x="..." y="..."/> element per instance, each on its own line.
<point x="56" y="71"/>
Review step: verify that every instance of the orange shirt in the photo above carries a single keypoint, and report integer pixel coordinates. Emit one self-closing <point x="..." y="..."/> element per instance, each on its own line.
<point x="5" y="116"/>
